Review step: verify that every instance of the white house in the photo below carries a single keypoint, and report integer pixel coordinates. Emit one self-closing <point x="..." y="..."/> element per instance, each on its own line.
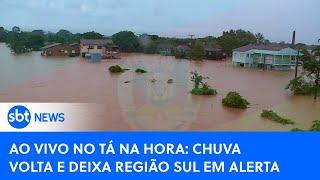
<point x="99" y="46"/>
<point x="274" y="56"/>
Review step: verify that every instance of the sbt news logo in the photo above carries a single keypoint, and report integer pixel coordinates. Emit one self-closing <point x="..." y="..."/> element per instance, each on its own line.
<point x="20" y="117"/>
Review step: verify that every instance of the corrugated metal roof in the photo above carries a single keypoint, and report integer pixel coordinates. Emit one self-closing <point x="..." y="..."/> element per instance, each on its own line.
<point x="51" y="45"/>
<point x="95" y="42"/>
<point x="272" y="47"/>
<point x="184" y="47"/>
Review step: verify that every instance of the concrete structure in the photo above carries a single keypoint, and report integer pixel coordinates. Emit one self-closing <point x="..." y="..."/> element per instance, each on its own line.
<point x="278" y="57"/>
<point x="60" y="50"/>
<point x="100" y="46"/>
<point x="214" y="54"/>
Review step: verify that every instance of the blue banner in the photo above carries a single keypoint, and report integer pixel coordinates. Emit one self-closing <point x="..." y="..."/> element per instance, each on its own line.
<point x="145" y="155"/>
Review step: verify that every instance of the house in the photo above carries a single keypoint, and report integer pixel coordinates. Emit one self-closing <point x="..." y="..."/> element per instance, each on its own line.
<point x="75" y="49"/>
<point x="60" y="50"/>
<point x="95" y="46"/>
<point x="273" y="56"/>
<point x="214" y="54"/>
<point x="165" y="49"/>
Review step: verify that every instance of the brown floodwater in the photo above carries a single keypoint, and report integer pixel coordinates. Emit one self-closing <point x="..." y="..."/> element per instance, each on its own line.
<point x="130" y="101"/>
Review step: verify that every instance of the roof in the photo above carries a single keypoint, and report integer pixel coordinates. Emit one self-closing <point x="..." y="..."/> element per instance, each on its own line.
<point x="184" y="47"/>
<point x="271" y="47"/>
<point x="74" y="44"/>
<point x="51" y="45"/>
<point x="100" y="42"/>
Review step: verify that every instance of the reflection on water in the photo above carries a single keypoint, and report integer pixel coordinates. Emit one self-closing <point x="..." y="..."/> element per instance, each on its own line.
<point x="15" y="69"/>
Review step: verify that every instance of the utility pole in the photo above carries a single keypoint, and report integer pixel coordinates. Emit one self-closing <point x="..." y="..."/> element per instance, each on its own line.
<point x="297" y="59"/>
<point x="191" y="36"/>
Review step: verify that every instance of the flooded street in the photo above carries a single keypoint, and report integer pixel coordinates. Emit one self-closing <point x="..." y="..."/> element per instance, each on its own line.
<point x="130" y="101"/>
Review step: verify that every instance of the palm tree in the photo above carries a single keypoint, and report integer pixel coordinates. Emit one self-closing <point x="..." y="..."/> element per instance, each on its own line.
<point x="260" y="38"/>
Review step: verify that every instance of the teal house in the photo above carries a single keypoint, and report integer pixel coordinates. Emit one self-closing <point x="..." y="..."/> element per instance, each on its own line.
<point x="274" y="56"/>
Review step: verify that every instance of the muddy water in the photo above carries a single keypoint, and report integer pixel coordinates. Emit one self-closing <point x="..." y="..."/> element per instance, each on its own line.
<point x="131" y="101"/>
<point x="18" y="69"/>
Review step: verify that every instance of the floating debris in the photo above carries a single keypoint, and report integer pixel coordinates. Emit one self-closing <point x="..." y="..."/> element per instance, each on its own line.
<point x="170" y="81"/>
<point x="126" y="82"/>
<point x="153" y="80"/>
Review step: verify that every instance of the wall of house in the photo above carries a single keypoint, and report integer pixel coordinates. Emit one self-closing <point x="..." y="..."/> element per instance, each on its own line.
<point x="75" y="49"/>
<point x="93" y="49"/>
<point x="280" y="60"/>
<point x="59" y="50"/>
<point x="239" y="57"/>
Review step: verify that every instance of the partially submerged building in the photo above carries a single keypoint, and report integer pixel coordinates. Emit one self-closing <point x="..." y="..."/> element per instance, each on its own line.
<point x="274" y="56"/>
<point x="214" y="54"/>
<point x="95" y="46"/>
<point x="165" y="49"/>
<point x="61" y="50"/>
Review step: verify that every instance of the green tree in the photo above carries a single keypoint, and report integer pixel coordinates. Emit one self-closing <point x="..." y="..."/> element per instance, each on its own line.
<point x="64" y="36"/>
<point x="316" y="51"/>
<point x="196" y="78"/>
<point x="312" y="67"/>
<point x="16" y="29"/>
<point x="306" y="56"/>
<point x="92" y="35"/>
<point x="17" y="43"/>
<point x="150" y="48"/>
<point x="260" y="38"/>
<point x="197" y="52"/>
<point x="3" y="34"/>
<point x="34" y="41"/>
<point x="235" y="38"/>
<point x="126" y="40"/>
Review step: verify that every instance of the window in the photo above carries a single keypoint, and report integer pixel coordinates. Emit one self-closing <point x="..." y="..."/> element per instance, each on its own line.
<point x="269" y="59"/>
<point x="99" y="47"/>
<point x="210" y="53"/>
<point x="90" y="47"/>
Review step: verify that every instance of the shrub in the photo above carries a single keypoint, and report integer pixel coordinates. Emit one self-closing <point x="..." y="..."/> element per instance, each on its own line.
<point x="117" y="69"/>
<point x="297" y="130"/>
<point x="315" y="126"/>
<point x="205" y="90"/>
<point x="235" y="100"/>
<point x="199" y="87"/>
<point x="181" y="54"/>
<point x="197" y="52"/>
<point x="140" y="71"/>
<point x="271" y="115"/>
<point x="299" y="86"/>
